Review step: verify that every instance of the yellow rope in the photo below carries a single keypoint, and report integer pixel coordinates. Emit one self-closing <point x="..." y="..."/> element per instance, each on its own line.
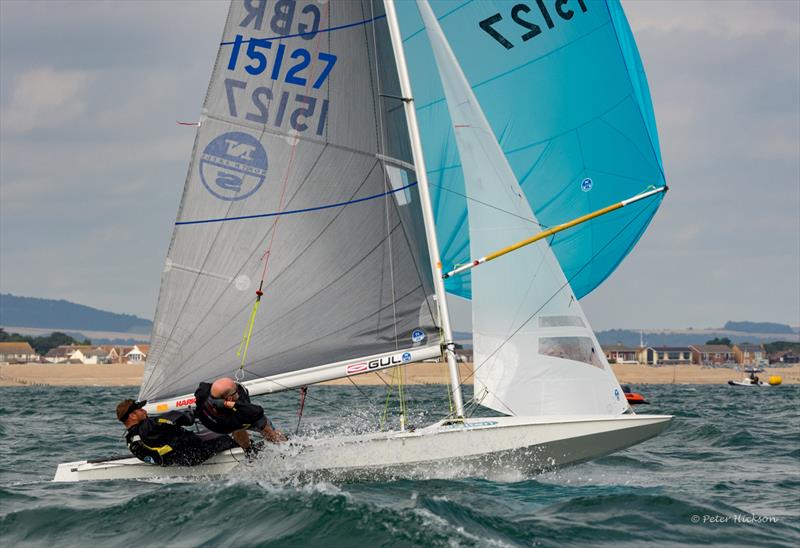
<point x="248" y="332"/>
<point x="400" y="394"/>
<point x="397" y="377"/>
<point x="388" y="395"/>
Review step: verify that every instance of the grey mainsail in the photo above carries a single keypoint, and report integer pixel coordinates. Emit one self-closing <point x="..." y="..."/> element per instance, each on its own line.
<point x="301" y="175"/>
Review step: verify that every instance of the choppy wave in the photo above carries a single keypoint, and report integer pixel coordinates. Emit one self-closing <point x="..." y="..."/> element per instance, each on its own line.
<point x="727" y="473"/>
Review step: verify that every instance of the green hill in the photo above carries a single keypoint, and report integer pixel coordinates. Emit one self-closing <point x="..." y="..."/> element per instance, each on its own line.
<point x="47" y="313"/>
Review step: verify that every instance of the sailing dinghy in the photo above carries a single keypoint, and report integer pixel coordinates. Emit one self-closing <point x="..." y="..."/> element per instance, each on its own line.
<point x="305" y="250"/>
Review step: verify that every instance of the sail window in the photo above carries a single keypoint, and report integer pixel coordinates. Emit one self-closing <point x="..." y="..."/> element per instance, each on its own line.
<point x="560" y="321"/>
<point x="579" y="349"/>
<point x="399" y="180"/>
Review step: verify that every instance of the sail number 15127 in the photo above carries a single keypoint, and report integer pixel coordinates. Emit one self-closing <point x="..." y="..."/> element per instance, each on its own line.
<point x="292" y="70"/>
<point x="255" y="104"/>
<point x="524" y="15"/>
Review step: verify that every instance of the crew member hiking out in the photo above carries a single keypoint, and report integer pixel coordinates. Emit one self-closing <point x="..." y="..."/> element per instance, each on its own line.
<point x="163" y="440"/>
<point x="224" y="407"/>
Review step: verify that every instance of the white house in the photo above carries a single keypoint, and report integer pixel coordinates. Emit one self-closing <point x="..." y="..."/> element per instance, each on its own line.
<point x="138" y="353"/>
<point x="85" y="354"/>
<point x="59" y="354"/>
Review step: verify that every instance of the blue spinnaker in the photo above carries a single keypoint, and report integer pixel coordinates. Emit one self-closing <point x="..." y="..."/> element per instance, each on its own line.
<point x="564" y="89"/>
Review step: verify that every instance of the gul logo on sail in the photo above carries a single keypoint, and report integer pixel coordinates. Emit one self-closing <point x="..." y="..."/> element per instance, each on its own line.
<point x="233" y="166"/>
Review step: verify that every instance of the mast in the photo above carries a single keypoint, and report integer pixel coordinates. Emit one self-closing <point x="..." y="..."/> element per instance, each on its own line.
<point x="425" y="199"/>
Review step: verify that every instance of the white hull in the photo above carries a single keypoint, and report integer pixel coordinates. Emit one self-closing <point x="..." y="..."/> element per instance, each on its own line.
<point x="477" y="447"/>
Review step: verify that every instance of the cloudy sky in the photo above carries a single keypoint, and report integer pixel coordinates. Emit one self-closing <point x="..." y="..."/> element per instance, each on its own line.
<point x="92" y="162"/>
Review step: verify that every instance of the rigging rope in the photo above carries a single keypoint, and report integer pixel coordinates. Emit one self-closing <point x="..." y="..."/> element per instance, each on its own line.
<point x="248" y="331"/>
<point x="386" y="403"/>
<point x="397" y="376"/>
<point x="303" y="392"/>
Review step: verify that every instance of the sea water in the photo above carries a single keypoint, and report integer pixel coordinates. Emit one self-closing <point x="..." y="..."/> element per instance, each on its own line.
<point x="726" y="473"/>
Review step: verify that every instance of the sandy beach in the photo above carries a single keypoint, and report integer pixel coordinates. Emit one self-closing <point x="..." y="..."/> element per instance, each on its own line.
<point x="36" y="374"/>
<point x="695" y="374"/>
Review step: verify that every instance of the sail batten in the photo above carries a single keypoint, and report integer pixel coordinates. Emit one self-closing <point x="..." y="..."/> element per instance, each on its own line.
<point x="301" y="185"/>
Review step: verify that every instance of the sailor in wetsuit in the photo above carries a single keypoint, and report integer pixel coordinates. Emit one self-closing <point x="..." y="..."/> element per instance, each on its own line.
<point x="162" y="440"/>
<point x="224" y="407"/>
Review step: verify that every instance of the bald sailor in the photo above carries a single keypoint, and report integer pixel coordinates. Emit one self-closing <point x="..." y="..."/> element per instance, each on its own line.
<point x="224" y="407"/>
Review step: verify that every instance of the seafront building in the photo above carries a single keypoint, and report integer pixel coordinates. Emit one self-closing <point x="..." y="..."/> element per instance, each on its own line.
<point x="749" y="354"/>
<point x="59" y="354"/>
<point x="137" y="354"/>
<point x="17" y="352"/>
<point x="712" y="354"/>
<point x="716" y="355"/>
<point x="666" y="355"/>
<point x="97" y="354"/>
<point x="786" y="357"/>
<point x="623" y="354"/>
<point x="649" y="355"/>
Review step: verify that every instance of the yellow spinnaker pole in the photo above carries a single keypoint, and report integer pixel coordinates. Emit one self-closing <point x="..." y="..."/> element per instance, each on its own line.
<point x="554" y="230"/>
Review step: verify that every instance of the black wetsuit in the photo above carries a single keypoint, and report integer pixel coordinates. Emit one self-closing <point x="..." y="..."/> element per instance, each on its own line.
<point x="218" y="418"/>
<point x="162" y="440"/>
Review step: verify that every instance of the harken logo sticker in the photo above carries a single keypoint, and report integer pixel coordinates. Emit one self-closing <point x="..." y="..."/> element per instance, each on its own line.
<point x="587" y="184"/>
<point x="233" y="166"/>
<point x="417" y="336"/>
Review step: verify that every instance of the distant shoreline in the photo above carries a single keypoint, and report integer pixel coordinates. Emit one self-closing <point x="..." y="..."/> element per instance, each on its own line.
<point x="36" y="374"/>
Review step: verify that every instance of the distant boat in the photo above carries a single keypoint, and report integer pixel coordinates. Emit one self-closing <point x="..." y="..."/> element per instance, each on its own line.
<point x="632" y="397"/>
<point x="753" y="380"/>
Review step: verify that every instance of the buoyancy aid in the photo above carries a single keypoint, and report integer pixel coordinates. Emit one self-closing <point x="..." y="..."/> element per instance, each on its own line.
<point x="153" y="438"/>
